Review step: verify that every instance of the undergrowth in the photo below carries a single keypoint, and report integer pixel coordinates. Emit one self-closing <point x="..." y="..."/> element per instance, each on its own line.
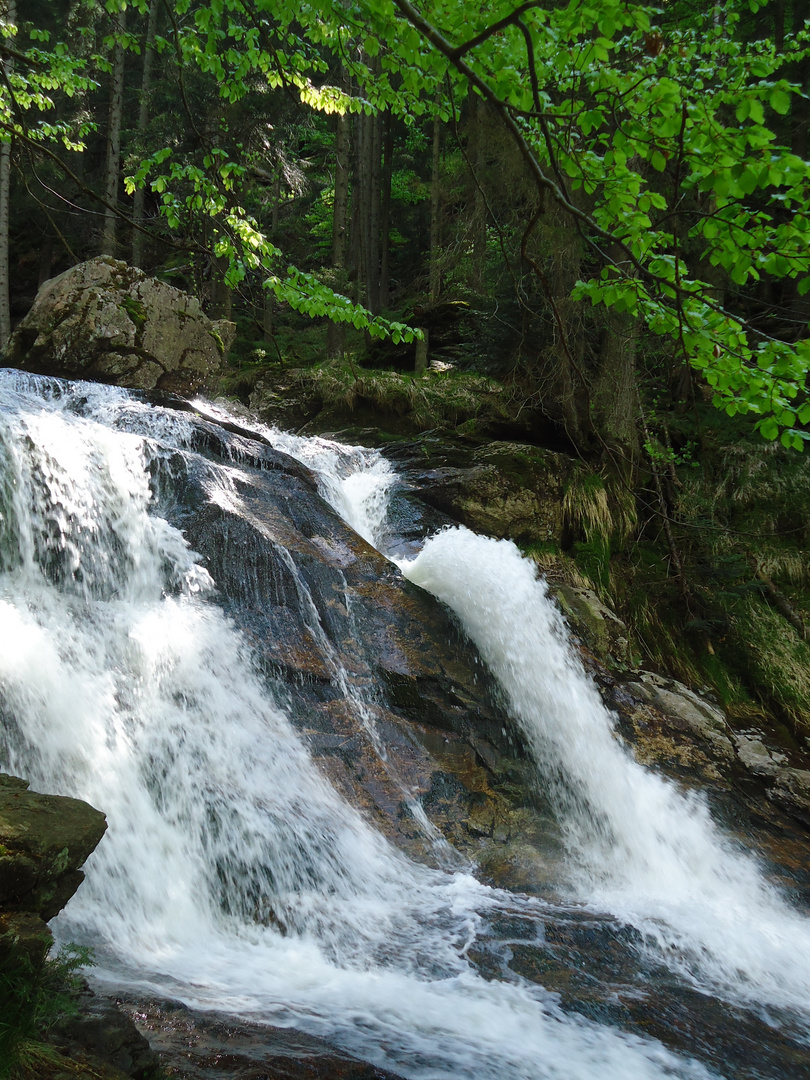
<point x="741" y="528"/>
<point x="435" y="400"/>
<point x="34" y="997"/>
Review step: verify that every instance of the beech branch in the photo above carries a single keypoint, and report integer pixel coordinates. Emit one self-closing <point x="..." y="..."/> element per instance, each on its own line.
<point x="592" y="229"/>
<point x="508" y="20"/>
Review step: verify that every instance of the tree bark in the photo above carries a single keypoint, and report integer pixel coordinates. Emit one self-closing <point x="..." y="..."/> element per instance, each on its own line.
<point x="385" y="212"/>
<point x="615" y="390"/>
<point x="375" y="206"/>
<point x="269" y="305"/>
<point x="435" y="211"/>
<point x="478" y="220"/>
<point x="800" y="106"/>
<point x="421" y="355"/>
<point x="221" y="294"/>
<point x="360" y="209"/>
<point x="143" y="119"/>
<point x="336" y="333"/>
<point x="5" y="195"/>
<point x="113" y="167"/>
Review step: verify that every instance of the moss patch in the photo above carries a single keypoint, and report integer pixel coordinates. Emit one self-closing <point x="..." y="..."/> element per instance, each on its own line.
<point x="135" y="310"/>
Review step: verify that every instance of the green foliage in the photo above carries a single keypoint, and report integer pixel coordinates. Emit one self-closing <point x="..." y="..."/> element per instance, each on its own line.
<point x="661" y="142"/>
<point x="741" y="524"/>
<point x="599" y="516"/>
<point x="776" y="662"/>
<point x="34" y="997"/>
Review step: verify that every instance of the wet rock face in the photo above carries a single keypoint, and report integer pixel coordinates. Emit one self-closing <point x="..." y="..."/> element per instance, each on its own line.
<point x="108" y="321"/>
<point x="44" y="840"/>
<point x="195" y="1046"/>
<point x="102" y="1033"/>
<point x="365" y="657"/>
<point x="598" y="628"/>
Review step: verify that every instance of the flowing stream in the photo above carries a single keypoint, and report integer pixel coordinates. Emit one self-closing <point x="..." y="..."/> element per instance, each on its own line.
<point x="235" y="878"/>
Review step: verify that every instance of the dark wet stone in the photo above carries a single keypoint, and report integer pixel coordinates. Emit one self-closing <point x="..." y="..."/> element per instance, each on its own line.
<point x="323" y="609"/>
<point x="197" y="1047"/>
<point x="102" y="1032"/>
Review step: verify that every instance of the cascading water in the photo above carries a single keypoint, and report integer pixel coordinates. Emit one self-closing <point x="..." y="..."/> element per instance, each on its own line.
<point x="232" y="875"/>
<point x="641" y="847"/>
<point x="356" y="482"/>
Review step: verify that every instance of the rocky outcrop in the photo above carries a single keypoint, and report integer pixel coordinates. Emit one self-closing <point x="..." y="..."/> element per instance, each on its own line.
<point x="367" y="657"/>
<point x="687" y="710"/>
<point x="598" y="627"/>
<point x="44" y="841"/>
<point x="685" y="733"/>
<point x="108" y="321"/>
<point x="503" y="489"/>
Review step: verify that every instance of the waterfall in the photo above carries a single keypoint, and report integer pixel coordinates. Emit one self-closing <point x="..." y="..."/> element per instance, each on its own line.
<point x="356" y="482"/>
<point x="641" y="847"/>
<point x="232" y="875"/>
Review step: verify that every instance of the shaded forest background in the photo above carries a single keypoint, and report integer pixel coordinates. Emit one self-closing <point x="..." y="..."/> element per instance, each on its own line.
<point x="680" y="516"/>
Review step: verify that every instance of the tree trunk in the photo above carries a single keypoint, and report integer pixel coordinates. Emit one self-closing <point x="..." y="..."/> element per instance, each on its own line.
<point x="478" y="221"/>
<point x="374" y="209"/>
<point x="113" y="169"/>
<point x="564" y="392"/>
<point x="421" y="355"/>
<point x="614" y="394"/>
<point x="360" y="210"/>
<point x="336" y="332"/>
<point x="143" y="119"/>
<point x="800" y="106"/>
<point x="221" y="294"/>
<point x="5" y="194"/>
<point x="778" y="11"/>
<point x="435" y="210"/>
<point x="385" y="212"/>
<point x="269" y="306"/>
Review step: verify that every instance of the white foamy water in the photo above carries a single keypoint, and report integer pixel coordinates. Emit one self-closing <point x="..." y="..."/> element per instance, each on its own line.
<point x="232" y="875"/>
<point x="357" y="482"/>
<point x="354" y="480"/>
<point x="641" y="847"/>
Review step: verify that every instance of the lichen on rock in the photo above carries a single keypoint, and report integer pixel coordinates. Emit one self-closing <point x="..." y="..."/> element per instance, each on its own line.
<point x="108" y="321"/>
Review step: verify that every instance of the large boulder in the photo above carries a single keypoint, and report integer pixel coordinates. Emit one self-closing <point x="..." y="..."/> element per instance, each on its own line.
<point x="108" y="321"/>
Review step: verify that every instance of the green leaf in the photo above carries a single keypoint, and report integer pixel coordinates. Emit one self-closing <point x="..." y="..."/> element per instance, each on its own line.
<point x="780" y="101"/>
<point x="769" y="429"/>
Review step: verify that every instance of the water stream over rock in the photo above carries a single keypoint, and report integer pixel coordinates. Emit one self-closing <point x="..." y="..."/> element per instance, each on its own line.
<point x="194" y="641"/>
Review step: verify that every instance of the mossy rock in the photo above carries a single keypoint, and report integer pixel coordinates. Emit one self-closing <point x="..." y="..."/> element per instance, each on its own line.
<point x="45" y="839"/>
<point x="598" y="628"/>
<point x="108" y="321"/>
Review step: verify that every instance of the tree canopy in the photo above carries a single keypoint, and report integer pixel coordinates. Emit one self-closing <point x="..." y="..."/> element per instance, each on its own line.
<point x="666" y="138"/>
